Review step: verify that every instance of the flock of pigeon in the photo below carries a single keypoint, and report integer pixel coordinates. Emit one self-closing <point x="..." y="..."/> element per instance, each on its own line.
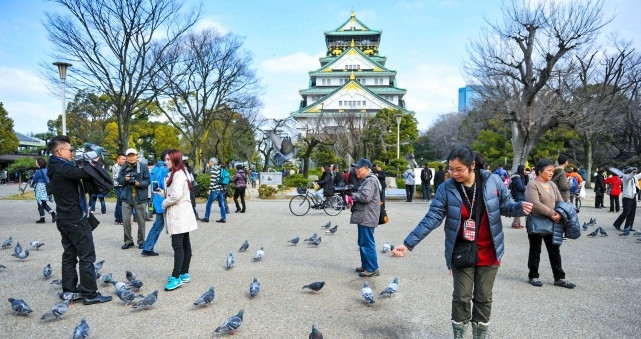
<point x="600" y="230"/>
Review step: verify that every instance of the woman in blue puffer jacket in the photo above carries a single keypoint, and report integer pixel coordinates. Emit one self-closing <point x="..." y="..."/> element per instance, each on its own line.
<point x="471" y="203"/>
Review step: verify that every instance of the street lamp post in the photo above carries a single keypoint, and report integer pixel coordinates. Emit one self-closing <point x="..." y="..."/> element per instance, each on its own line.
<point x="398" y="135"/>
<point x="62" y="70"/>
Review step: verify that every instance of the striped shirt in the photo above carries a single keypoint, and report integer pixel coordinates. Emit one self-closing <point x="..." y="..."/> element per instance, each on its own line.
<point x="214" y="174"/>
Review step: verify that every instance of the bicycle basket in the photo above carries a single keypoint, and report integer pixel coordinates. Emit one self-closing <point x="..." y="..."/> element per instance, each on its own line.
<point x="301" y="189"/>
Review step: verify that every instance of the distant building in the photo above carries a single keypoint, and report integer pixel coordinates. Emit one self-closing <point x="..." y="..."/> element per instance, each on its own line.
<point x="467" y="97"/>
<point x="28" y="148"/>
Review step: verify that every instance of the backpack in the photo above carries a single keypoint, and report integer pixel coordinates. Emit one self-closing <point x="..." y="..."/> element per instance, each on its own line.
<point x="574" y="184"/>
<point x="223" y="179"/>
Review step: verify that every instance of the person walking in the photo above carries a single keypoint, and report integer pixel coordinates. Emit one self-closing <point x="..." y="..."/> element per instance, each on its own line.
<point x="518" y="182"/>
<point x="365" y="213"/>
<point x="215" y="192"/>
<point x="179" y="218"/>
<point x="254" y="177"/>
<point x="39" y="183"/>
<point x="614" y="183"/>
<point x="134" y="179"/>
<point x="560" y="179"/>
<point x="240" y="184"/>
<point x="629" y="202"/>
<point x="599" y="189"/>
<point x="381" y="175"/>
<point x="79" y="253"/>
<point x="426" y="180"/>
<point x="439" y="177"/>
<point x="157" y="176"/>
<point x="544" y="194"/>
<point x="471" y="203"/>
<point x="115" y="171"/>
<point x="409" y="176"/>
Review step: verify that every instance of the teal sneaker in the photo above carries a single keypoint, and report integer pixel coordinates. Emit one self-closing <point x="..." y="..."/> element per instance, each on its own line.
<point x="185" y="278"/>
<point x="173" y="284"/>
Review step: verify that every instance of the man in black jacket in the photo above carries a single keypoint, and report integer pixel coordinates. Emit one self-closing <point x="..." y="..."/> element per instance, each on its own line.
<point x="439" y="177"/>
<point x="72" y="211"/>
<point x="426" y="179"/>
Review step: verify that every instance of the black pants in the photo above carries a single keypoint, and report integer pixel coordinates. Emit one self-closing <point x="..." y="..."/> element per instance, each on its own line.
<point x="598" y="201"/>
<point x="554" y="253"/>
<point x="614" y="201"/>
<point x="78" y="248"/>
<point x="409" y="192"/>
<point x="182" y="253"/>
<point x="239" y="192"/>
<point x="628" y="214"/>
<point x="42" y="207"/>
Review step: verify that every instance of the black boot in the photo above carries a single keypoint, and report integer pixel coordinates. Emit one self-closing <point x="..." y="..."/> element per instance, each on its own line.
<point x="243" y="210"/>
<point x="41" y="221"/>
<point x="53" y="216"/>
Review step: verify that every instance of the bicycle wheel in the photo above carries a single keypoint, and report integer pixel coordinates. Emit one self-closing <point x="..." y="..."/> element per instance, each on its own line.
<point x="577" y="203"/>
<point x="299" y="205"/>
<point x="334" y="205"/>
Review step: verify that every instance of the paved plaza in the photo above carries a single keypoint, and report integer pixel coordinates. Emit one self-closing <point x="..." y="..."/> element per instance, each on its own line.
<point x="605" y="303"/>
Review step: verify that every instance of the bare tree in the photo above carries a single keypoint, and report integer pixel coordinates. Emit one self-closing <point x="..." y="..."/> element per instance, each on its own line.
<point x="114" y="44"/>
<point x="514" y="59"/>
<point x="443" y="133"/>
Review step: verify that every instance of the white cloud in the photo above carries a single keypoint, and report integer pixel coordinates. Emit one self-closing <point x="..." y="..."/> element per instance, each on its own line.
<point x="18" y="84"/>
<point x="205" y="23"/>
<point x="299" y="62"/>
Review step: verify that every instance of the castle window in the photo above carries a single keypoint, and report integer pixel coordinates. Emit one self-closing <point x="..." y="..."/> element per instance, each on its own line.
<point x="340" y="103"/>
<point x="363" y="103"/>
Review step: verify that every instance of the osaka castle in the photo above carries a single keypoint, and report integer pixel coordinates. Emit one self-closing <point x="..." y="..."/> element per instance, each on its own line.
<point x="351" y="83"/>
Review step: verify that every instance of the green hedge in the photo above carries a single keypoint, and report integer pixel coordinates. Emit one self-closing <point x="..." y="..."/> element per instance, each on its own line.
<point x="295" y="180"/>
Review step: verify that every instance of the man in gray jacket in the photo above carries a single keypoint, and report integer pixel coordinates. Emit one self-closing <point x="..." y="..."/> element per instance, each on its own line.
<point x="365" y="213"/>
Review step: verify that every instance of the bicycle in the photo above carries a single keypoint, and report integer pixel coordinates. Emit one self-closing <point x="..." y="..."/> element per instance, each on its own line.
<point x="576" y="202"/>
<point x="300" y="204"/>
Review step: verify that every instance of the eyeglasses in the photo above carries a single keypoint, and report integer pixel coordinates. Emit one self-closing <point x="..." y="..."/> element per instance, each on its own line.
<point x="455" y="172"/>
<point x="66" y="149"/>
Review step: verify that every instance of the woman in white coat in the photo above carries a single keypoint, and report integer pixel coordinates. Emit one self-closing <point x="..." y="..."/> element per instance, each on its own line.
<point x="179" y="217"/>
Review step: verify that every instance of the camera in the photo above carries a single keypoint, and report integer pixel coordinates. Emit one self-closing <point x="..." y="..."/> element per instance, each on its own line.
<point x="132" y="178"/>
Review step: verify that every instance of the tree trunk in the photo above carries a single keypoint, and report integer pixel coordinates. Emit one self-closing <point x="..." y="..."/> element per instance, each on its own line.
<point x="521" y="146"/>
<point x="587" y="146"/>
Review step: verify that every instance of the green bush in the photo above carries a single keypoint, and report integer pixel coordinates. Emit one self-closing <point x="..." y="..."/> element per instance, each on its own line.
<point x="203" y="184"/>
<point x="400" y="182"/>
<point x="265" y="191"/>
<point x="295" y="180"/>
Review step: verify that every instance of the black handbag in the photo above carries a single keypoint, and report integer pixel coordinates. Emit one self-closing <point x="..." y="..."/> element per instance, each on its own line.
<point x="465" y="254"/>
<point x="539" y="224"/>
<point x="382" y="217"/>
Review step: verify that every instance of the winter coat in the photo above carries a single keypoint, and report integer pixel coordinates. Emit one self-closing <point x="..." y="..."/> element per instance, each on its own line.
<point x="426" y="176"/>
<point x="569" y="224"/>
<point x="630" y="185"/>
<point x="101" y="183"/>
<point x="615" y="182"/>
<point x="447" y="205"/>
<point x="560" y="179"/>
<point x="240" y="179"/>
<point x="543" y="202"/>
<point x="367" y="202"/>
<point x="327" y="184"/>
<point x="39" y="182"/>
<point x="142" y="176"/>
<point x="439" y="178"/>
<point x="409" y="177"/>
<point x="179" y="215"/>
<point x="64" y="178"/>
<point x="159" y="173"/>
<point x="599" y="185"/>
<point x="517" y="188"/>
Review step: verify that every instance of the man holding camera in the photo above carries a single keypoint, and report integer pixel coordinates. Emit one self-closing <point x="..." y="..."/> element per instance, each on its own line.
<point x="134" y="179"/>
<point x="630" y="178"/>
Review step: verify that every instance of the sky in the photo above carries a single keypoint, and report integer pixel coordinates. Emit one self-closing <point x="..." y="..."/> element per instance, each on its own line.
<point x="424" y="41"/>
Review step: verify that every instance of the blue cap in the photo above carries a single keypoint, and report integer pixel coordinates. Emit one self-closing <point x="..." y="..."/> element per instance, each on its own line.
<point x="363" y="162"/>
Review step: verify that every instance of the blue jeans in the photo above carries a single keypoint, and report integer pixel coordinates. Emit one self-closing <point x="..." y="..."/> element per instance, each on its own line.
<point x="367" y="247"/>
<point x="154" y="233"/>
<point x="92" y="204"/>
<point x="118" y="211"/>
<point x="426" y="191"/>
<point x="216" y="195"/>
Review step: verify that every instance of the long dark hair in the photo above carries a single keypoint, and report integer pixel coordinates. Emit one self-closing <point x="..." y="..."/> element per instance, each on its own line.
<point x="177" y="164"/>
<point x="42" y="163"/>
<point x="467" y="156"/>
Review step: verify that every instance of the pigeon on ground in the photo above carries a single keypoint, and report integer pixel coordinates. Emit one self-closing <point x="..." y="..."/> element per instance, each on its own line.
<point x="284" y="149"/>
<point x="36" y="245"/>
<point x="147" y="301"/>
<point x="107" y="278"/>
<point x="592" y="222"/>
<point x="82" y="330"/>
<point x="69" y="296"/>
<point x="387" y="247"/>
<point x="316" y="242"/>
<point x="593" y="234"/>
<point x="98" y="265"/>
<point x="96" y="273"/>
<point x="367" y="293"/>
<point x="259" y="255"/>
<point x="332" y="230"/>
<point x="637" y="233"/>
<point x="231" y="324"/>
<point x="135" y="285"/>
<point x="120" y="285"/>
<point x="585" y="226"/>
<point x="244" y="246"/>
<point x="602" y="231"/>
<point x="315" y="286"/>
<point x="638" y="239"/>
<point x="315" y="333"/>
<point x="391" y="289"/>
<point x="131" y="275"/>
<point x="625" y="232"/>
<point x="56" y="312"/>
<point x="47" y="271"/>
<point x="18" y="249"/>
<point x="254" y="288"/>
<point x="328" y="225"/>
<point x="7" y="243"/>
<point x="56" y="282"/>
<point x="127" y="296"/>
<point x="19" y="307"/>
<point x="294" y="241"/>
<point x="24" y="254"/>
<point x="206" y="298"/>
<point x="230" y="261"/>
<point x="2" y="266"/>
<point x="312" y="238"/>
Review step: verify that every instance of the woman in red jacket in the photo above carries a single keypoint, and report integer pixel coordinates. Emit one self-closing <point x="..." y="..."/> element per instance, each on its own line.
<point x="615" y="190"/>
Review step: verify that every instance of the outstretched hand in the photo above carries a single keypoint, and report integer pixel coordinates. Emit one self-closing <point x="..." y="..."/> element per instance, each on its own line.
<point x="400" y="251"/>
<point x="527" y="207"/>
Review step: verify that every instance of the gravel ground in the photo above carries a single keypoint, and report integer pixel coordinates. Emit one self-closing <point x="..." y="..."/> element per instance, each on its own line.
<point x="604" y="304"/>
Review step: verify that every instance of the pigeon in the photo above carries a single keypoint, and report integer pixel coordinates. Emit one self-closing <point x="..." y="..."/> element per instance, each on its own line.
<point x="638" y="239"/>
<point x="127" y="296"/>
<point x="636" y="234"/>
<point x="585" y="226"/>
<point x="315" y="333"/>
<point x="367" y="293"/>
<point x="206" y="298"/>
<point x="98" y="265"/>
<point x="36" y="245"/>
<point x="312" y="238"/>
<point x="259" y="255"/>
<point x="593" y="234"/>
<point x="82" y="330"/>
<point x="231" y="324"/>
<point x="107" y="278"/>
<point x="602" y="231"/>
<point x="120" y="285"/>
<point x="328" y="225"/>
<point x="19" y="307"/>
<point x="294" y="241"/>
<point x="230" y="261"/>
<point x="22" y="256"/>
<point x="7" y="243"/>
<point x="147" y="301"/>
<point x="130" y="275"/>
<point x="56" y="312"/>
<point x="391" y="289"/>
<point x="315" y="286"/>
<point x="2" y="266"/>
<point x="244" y="246"/>
<point x="47" y="271"/>
<point x="254" y="288"/>
<point x="592" y="222"/>
<point x="387" y="247"/>
<point x="18" y="249"/>
<point x="316" y="242"/>
<point x="332" y="230"/>
<point x="69" y="296"/>
<point x="625" y="232"/>
<point x="56" y="282"/>
<point x="96" y="273"/>
<point x="284" y="149"/>
<point x="135" y="285"/>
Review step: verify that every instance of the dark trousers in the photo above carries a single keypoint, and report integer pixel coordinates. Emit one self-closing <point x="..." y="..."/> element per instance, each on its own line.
<point x="182" y="253"/>
<point x="42" y="207"/>
<point x="628" y="214"/>
<point x="118" y="210"/>
<point x="614" y="201"/>
<point x="426" y="191"/>
<point x="598" y="201"/>
<point x="473" y="287"/>
<point x="554" y="253"/>
<point x="409" y="192"/>
<point x="78" y="248"/>
<point x="240" y="192"/>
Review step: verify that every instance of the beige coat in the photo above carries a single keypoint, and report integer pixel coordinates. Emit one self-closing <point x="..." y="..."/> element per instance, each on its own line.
<point x="179" y="215"/>
<point x="543" y="201"/>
